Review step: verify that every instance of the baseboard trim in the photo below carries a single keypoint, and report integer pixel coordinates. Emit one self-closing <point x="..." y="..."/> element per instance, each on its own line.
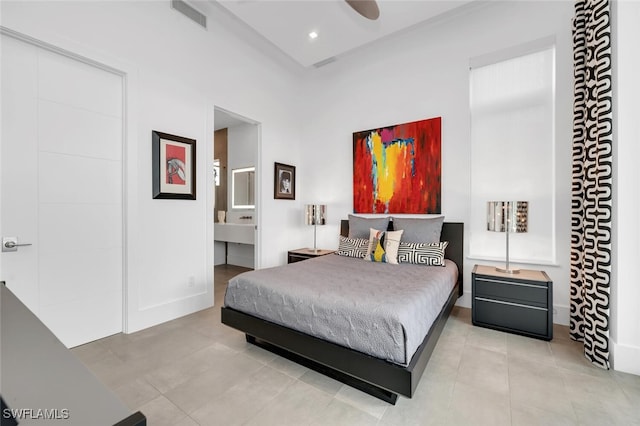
<point x="561" y="315"/>
<point x="625" y="358"/>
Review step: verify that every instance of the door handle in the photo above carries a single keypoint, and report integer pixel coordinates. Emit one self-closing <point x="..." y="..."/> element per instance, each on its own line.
<point x="11" y="244"/>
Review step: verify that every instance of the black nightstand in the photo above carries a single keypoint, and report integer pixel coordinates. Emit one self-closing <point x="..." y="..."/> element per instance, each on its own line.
<point x="305" y="253"/>
<point x="518" y="303"/>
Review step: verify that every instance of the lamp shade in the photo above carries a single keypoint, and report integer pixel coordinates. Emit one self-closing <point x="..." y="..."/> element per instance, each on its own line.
<point x="507" y="216"/>
<point x="316" y="214"/>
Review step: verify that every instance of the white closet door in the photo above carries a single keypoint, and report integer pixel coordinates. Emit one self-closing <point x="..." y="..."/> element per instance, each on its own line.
<point x="61" y="190"/>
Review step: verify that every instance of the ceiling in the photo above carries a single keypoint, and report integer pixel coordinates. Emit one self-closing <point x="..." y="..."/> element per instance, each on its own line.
<point x="287" y="23"/>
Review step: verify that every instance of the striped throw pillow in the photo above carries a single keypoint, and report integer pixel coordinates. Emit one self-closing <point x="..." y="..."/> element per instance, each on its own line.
<point x="353" y="247"/>
<point x="430" y="254"/>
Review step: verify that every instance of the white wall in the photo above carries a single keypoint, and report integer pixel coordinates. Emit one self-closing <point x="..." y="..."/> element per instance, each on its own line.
<point x="176" y="73"/>
<point x="425" y="73"/>
<point x="626" y="249"/>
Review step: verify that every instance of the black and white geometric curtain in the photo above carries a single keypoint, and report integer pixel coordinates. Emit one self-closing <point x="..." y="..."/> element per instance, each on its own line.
<point x="591" y="180"/>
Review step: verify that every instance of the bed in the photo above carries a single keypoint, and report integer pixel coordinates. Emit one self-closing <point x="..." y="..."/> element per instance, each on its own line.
<point x="322" y="346"/>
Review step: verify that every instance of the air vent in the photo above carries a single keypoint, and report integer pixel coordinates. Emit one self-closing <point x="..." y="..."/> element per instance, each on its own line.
<point x="189" y="12"/>
<point x="324" y="62"/>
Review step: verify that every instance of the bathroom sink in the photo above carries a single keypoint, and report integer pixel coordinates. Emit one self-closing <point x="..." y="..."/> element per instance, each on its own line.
<point x="234" y="232"/>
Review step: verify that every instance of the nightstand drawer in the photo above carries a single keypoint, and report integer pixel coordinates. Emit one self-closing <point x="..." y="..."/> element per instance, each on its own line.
<point x="509" y="291"/>
<point x="298" y="255"/>
<point x="511" y="316"/>
<point x="293" y="258"/>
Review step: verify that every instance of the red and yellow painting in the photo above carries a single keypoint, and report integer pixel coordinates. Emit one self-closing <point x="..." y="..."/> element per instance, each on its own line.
<point x="397" y="169"/>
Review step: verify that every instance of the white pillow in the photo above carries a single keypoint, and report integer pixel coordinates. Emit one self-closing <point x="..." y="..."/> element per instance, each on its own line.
<point x="383" y="246"/>
<point x="391" y="245"/>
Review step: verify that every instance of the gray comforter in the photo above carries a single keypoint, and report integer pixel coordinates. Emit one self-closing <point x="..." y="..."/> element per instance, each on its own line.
<point x="380" y="309"/>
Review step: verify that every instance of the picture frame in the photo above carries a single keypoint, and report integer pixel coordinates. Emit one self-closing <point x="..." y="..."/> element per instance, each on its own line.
<point x="284" y="182"/>
<point x="174" y="166"/>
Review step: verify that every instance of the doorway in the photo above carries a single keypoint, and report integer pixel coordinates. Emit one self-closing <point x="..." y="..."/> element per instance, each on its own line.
<point x="237" y="189"/>
<point x="62" y="188"/>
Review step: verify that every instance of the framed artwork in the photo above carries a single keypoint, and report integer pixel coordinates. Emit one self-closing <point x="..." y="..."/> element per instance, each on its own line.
<point x="284" y="182"/>
<point x="397" y="169"/>
<point x="174" y="166"/>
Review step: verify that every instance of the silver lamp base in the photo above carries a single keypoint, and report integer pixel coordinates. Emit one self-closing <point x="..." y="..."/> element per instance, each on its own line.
<point x="508" y="270"/>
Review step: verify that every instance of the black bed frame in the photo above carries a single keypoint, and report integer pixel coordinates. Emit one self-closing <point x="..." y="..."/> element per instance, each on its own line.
<point x="374" y="376"/>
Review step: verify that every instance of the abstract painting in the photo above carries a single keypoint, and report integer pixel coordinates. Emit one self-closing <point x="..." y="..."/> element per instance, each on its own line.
<point x="397" y="169"/>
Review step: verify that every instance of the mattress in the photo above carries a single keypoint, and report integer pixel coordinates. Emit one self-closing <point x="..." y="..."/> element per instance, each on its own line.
<point x="379" y="309"/>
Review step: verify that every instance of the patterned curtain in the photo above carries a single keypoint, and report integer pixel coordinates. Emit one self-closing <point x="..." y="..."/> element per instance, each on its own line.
<point x="591" y="180"/>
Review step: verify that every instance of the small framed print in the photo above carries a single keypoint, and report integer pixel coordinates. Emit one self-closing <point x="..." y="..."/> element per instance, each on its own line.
<point x="174" y="166"/>
<point x="284" y="182"/>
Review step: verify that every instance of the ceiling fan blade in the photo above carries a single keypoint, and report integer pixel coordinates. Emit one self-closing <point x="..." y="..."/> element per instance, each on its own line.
<point x="367" y="8"/>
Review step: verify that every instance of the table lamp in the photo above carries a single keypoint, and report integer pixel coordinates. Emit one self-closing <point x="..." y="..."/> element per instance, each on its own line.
<point x="507" y="216"/>
<point x="315" y="214"/>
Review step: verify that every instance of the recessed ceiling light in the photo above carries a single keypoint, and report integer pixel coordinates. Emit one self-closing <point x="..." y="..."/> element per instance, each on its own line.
<point x="313" y="35"/>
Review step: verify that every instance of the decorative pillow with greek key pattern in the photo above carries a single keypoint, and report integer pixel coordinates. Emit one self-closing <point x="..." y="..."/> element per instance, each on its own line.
<point x="430" y="254"/>
<point x="353" y="247"/>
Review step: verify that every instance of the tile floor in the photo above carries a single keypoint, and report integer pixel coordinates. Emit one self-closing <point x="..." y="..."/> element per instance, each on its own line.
<point x="196" y="371"/>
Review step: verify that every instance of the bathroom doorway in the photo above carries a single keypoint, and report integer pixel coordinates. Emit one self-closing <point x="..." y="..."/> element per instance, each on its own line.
<point x="236" y="189"/>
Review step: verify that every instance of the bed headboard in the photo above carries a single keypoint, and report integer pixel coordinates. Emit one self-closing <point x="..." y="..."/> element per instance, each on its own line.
<point x="451" y="231"/>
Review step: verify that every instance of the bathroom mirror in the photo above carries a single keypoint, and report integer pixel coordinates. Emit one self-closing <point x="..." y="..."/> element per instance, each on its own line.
<point x="243" y="188"/>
